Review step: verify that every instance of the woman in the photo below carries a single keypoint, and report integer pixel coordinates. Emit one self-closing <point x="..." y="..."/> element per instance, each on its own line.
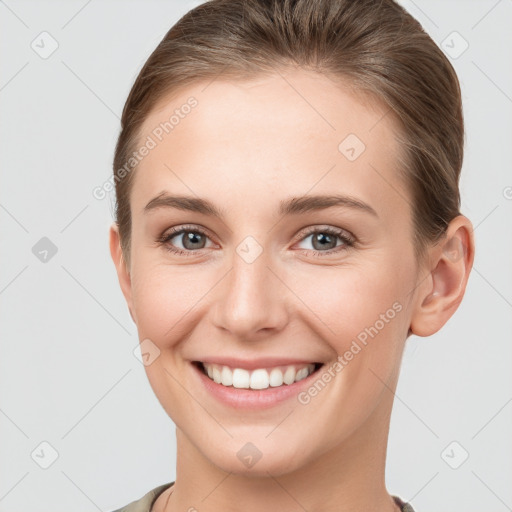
<point x="287" y="216"/>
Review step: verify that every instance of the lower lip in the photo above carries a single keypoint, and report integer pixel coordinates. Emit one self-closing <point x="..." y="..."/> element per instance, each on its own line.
<point x="254" y="398"/>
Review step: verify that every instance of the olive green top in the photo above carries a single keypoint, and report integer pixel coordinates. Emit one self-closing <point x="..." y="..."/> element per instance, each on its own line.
<point x="145" y="503"/>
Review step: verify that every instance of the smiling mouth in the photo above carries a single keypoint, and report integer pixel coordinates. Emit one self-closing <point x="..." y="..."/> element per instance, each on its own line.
<point x="259" y="378"/>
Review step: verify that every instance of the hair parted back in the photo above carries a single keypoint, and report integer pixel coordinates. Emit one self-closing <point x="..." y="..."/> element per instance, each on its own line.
<point x="375" y="46"/>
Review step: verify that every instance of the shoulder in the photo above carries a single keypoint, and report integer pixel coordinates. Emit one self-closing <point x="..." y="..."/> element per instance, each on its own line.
<point x="404" y="507"/>
<point x="145" y="503"/>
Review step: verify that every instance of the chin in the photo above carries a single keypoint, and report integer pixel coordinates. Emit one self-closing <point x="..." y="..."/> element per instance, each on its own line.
<point x="257" y="458"/>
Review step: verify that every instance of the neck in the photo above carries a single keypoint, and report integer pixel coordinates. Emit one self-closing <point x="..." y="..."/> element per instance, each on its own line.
<point x="346" y="477"/>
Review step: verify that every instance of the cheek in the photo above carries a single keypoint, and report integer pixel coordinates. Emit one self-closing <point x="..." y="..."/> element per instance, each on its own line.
<point x="164" y="299"/>
<point x="161" y="297"/>
<point x="362" y="302"/>
<point x="356" y="307"/>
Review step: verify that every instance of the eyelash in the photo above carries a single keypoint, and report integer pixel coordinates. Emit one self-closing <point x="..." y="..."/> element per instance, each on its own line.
<point x="348" y="242"/>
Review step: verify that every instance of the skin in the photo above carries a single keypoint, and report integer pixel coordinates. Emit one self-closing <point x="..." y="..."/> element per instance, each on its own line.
<point x="233" y="150"/>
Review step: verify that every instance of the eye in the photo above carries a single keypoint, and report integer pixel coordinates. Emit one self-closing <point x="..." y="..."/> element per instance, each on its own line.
<point x="325" y="240"/>
<point x="191" y="239"/>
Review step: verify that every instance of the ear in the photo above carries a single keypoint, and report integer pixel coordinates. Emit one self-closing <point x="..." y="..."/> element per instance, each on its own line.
<point x="442" y="289"/>
<point x="123" y="272"/>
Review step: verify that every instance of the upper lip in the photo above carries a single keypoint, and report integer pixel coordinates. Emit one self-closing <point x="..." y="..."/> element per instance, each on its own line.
<point x="253" y="364"/>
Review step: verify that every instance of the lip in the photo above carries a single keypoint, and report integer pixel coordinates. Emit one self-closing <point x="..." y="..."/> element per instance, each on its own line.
<point x="254" y="364"/>
<point x="251" y="398"/>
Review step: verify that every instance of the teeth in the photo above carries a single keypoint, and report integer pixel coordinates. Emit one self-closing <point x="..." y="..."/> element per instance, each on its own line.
<point x="289" y="375"/>
<point x="276" y="377"/>
<point x="241" y="378"/>
<point x="301" y="374"/>
<point x="216" y="375"/>
<point x="261" y="378"/>
<point x="226" y="376"/>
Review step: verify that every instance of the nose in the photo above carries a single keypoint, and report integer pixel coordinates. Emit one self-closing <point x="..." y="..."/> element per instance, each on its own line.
<point x="251" y="300"/>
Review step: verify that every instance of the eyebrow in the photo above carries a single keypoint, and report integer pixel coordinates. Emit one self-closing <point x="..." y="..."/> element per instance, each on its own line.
<point x="291" y="206"/>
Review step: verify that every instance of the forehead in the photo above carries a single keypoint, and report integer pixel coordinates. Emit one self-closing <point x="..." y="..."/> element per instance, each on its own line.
<point x="284" y="134"/>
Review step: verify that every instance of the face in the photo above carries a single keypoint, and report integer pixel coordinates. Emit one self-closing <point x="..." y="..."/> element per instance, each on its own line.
<point x="271" y="281"/>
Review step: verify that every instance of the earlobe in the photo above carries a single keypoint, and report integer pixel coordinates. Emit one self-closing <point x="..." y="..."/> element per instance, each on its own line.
<point x="442" y="290"/>
<point x="123" y="272"/>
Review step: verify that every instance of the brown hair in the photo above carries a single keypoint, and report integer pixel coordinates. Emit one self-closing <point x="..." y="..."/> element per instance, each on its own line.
<point x="376" y="46"/>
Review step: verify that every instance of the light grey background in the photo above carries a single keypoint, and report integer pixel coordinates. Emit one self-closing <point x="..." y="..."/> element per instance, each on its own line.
<point x="68" y="374"/>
